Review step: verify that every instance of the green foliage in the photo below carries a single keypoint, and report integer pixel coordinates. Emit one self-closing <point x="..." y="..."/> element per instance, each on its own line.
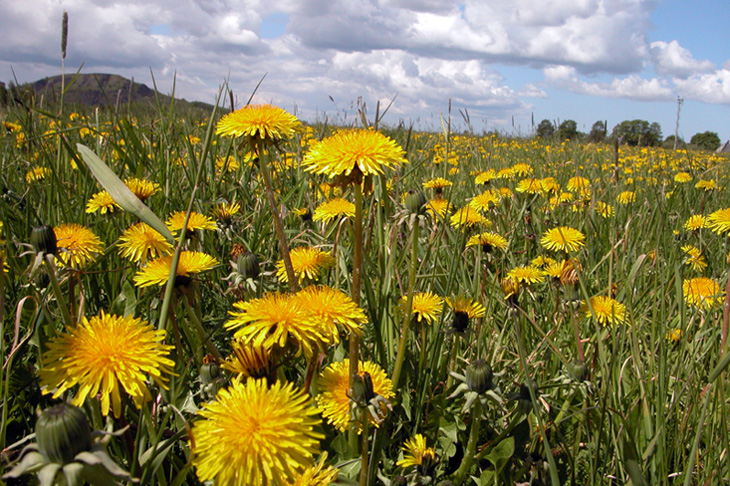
<point x="568" y="130"/>
<point x="598" y="132"/>
<point x="545" y="129"/>
<point x="706" y="141"/>
<point x="637" y="133"/>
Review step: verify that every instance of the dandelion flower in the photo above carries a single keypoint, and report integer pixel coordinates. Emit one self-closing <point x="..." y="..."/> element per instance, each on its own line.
<point x="467" y="217"/>
<point x="695" y="259"/>
<point x="224" y="212"/>
<point x="367" y="150"/>
<point x="142" y="188"/>
<point x="157" y="271"/>
<point x="438" y="184"/>
<point x="103" y="353"/>
<point x="197" y="221"/>
<point x="37" y="174"/>
<point x="485" y="177"/>
<point x="334" y="208"/>
<point x="527" y="275"/>
<point x="577" y="183"/>
<point x="426" y="306"/>
<point x="488" y="241"/>
<point x="317" y="475"/>
<point x="719" y="221"/>
<point x="484" y="201"/>
<point x="416" y="452"/>
<point x="464" y="309"/>
<point x="248" y="360"/>
<point x="605" y="309"/>
<point x="438" y="207"/>
<point x="308" y="263"/>
<point x="682" y="177"/>
<point x="626" y="197"/>
<point x="102" y="202"/>
<point x="529" y="186"/>
<point x="253" y="434"/>
<point x="277" y="320"/>
<point x="265" y="123"/>
<point x="605" y="210"/>
<point x="333" y="309"/>
<point x="77" y="245"/>
<point x="696" y="222"/>
<point x="702" y="292"/>
<point x="141" y="242"/>
<point x="333" y="399"/>
<point x="707" y="186"/>
<point x="563" y="238"/>
<point x="522" y="169"/>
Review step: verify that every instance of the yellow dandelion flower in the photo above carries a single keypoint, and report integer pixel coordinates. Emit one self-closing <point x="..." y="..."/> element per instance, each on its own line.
<point x="332" y="209"/>
<point x="695" y="259"/>
<point x="577" y="183"/>
<point x="308" y="263"/>
<point x="333" y="309"/>
<point x="719" y="221"/>
<point x="673" y="335"/>
<point x="488" y="241"/>
<point x="255" y="434"/>
<point x="438" y="207"/>
<point x="484" y="201"/>
<point x="696" y="222"/>
<point x="707" y="186"/>
<point x="157" y="271"/>
<point x="529" y="186"/>
<point x="224" y="212"/>
<point x="527" y="275"/>
<point x="542" y="261"/>
<point x="682" y="177"/>
<point x="37" y="174"/>
<point x="265" y="123"/>
<point x="467" y="217"/>
<point x="426" y="306"/>
<point x="317" y="475"/>
<point x="103" y="353"/>
<point x="438" y="184"/>
<point x="278" y="321"/>
<point x="549" y="184"/>
<point x="340" y="154"/>
<point x="605" y="210"/>
<point x="702" y="292"/>
<point x="227" y="164"/>
<point x="248" y="360"/>
<point x="485" y="177"/>
<point x="197" y="221"/>
<point x="416" y="452"/>
<point x="606" y="310"/>
<point x="142" y="188"/>
<point x="522" y="169"/>
<point x="506" y="173"/>
<point x="333" y="399"/>
<point x="626" y="197"/>
<point x="563" y="238"/>
<point x="141" y="242"/>
<point x="464" y="309"/>
<point x="102" y="202"/>
<point x="77" y="245"/>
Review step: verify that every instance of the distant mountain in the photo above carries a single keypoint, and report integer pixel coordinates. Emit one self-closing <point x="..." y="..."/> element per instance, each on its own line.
<point x="103" y="90"/>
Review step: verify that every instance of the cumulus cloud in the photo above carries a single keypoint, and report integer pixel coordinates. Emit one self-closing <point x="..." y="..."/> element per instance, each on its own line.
<point x="711" y="87"/>
<point x="630" y="87"/>
<point x="674" y="60"/>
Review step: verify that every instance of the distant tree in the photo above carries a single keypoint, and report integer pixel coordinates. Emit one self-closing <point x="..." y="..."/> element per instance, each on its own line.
<point x="568" y="130"/>
<point x="706" y="140"/>
<point x="668" y="142"/>
<point x="545" y="129"/>
<point x="598" y="132"/>
<point x="638" y="133"/>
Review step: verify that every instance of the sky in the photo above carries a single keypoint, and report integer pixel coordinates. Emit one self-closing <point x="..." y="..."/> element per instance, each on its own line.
<point x="501" y="63"/>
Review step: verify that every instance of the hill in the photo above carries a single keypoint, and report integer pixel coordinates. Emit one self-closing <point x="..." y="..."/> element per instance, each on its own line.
<point x="99" y="89"/>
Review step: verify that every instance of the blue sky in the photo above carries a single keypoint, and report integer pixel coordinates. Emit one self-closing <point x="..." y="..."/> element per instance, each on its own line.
<point x="500" y="60"/>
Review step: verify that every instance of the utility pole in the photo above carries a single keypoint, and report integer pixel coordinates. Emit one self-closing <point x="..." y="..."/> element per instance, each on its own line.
<point x="676" y="127"/>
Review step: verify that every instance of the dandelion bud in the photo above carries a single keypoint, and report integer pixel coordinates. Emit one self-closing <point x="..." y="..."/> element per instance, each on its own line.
<point x="248" y="265"/>
<point x="62" y="432"/>
<point x="479" y="376"/>
<point x="209" y="371"/>
<point x="362" y="388"/>
<point x="416" y="202"/>
<point x="43" y="239"/>
<point x="577" y="370"/>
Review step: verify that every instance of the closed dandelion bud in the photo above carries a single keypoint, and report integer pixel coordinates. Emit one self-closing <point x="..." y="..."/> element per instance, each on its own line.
<point x="43" y="239"/>
<point x="62" y="432"/>
<point x="460" y="322"/>
<point x="428" y="463"/>
<point x="362" y="388"/>
<point x="209" y="371"/>
<point x="416" y="202"/>
<point x="578" y="370"/>
<point x="479" y="376"/>
<point x="248" y="265"/>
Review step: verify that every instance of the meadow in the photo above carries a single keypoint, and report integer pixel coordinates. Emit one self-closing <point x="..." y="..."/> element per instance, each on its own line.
<point x="456" y="308"/>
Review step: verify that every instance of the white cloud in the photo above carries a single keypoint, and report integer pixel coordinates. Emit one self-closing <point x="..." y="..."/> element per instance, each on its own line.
<point x="674" y="60"/>
<point x="710" y="88"/>
<point x="630" y="87"/>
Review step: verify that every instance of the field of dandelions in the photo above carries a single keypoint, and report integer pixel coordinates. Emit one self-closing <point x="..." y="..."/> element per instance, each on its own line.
<point x="454" y="309"/>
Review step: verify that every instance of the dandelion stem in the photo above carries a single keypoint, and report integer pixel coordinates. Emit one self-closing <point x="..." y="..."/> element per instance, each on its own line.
<point x="355" y="293"/>
<point x="364" y="451"/>
<point x="63" y="307"/>
<point x="471" y="445"/>
<point x="409" y="304"/>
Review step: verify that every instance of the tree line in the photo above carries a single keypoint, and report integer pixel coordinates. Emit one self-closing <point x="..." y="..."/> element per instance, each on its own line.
<point x="637" y="133"/>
